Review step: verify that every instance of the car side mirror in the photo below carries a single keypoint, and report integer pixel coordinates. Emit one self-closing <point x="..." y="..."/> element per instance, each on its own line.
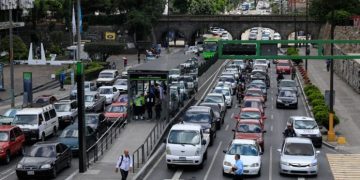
<point x="203" y="142"/>
<point x="164" y="140"/>
<point x="261" y="152"/>
<point x="233" y="130"/>
<point x="320" y="127"/>
<point x="264" y="131"/>
<point x="224" y="151"/>
<point x="279" y="150"/>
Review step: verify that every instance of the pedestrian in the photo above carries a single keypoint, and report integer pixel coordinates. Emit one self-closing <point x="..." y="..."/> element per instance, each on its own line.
<point x="125" y="62"/>
<point x="138" y="57"/>
<point x="113" y="66"/>
<point x="124" y="163"/>
<point x="328" y="62"/>
<point x="143" y="109"/>
<point x="150" y="102"/>
<point x="238" y="168"/>
<point x="138" y="107"/>
<point x="157" y="108"/>
<point x="62" y="80"/>
<point x="289" y="131"/>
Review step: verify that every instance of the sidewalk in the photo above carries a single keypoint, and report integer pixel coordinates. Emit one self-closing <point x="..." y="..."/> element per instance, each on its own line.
<point x="346" y="105"/>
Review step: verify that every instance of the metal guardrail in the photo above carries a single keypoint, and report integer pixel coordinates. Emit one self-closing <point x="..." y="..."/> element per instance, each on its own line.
<point x="103" y="143"/>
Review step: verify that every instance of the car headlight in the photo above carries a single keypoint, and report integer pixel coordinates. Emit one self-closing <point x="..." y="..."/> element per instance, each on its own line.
<point x="226" y="163"/>
<point x="278" y="100"/>
<point x="314" y="163"/>
<point x="284" y="163"/>
<point x="168" y="152"/>
<point x="319" y="134"/>
<point x="197" y="152"/>
<point x="254" y="165"/>
<point x="2" y="150"/>
<point x="45" y="166"/>
<point x="19" y="166"/>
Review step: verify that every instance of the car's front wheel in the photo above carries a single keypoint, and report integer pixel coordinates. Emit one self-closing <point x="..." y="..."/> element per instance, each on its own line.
<point x="54" y="173"/>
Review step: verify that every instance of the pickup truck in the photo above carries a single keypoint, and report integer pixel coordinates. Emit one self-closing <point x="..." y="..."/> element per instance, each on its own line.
<point x="94" y="102"/>
<point x="186" y="145"/>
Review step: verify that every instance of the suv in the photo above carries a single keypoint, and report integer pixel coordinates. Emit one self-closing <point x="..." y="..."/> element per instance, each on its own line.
<point x="67" y="111"/>
<point x="306" y="127"/>
<point x="12" y="141"/>
<point x="107" y="77"/>
<point x="37" y="122"/>
<point x="203" y="116"/>
<point x="88" y="86"/>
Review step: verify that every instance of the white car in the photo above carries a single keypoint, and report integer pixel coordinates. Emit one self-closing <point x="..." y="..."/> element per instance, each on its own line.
<point x="121" y="85"/>
<point x="231" y="79"/>
<point x="298" y="156"/>
<point x="277" y="36"/>
<point x="250" y="154"/>
<point x="216" y="98"/>
<point x="109" y="92"/>
<point x="262" y="61"/>
<point x="306" y="127"/>
<point x="227" y="93"/>
<point x="225" y="84"/>
<point x="192" y="49"/>
<point x="240" y="63"/>
<point x="107" y="77"/>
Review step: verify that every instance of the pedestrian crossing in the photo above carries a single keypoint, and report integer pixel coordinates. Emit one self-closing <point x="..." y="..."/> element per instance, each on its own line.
<point x="344" y="166"/>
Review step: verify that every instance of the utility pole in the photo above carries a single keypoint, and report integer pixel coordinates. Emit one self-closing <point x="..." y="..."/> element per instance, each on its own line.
<point x="331" y="132"/>
<point x="11" y="59"/>
<point x="295" y="23"/>
<point x="307" y="50"/>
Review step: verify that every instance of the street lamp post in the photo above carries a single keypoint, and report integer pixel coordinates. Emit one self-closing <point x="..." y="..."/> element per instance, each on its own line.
<point x="307" y="50"/>
<point x="295" y="23"/>
<point x="331" y="132"/>
<point x="10" y="5"/>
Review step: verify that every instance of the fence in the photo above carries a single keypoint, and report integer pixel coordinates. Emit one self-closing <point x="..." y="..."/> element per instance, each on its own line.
<point x="103" y="143"/>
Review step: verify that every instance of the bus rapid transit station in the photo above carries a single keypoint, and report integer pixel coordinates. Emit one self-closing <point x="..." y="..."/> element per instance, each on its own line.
<point x="141" y="77"/>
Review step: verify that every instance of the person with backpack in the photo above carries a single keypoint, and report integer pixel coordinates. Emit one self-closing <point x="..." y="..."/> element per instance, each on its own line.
<point x="124" y="163"/>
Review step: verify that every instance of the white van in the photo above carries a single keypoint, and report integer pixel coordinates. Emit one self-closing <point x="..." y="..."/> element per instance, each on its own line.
<point x="186" y="145"/>
<point x="107" y="77"/>
<point x="306" y="127"/>
<point x="37" y="123"/>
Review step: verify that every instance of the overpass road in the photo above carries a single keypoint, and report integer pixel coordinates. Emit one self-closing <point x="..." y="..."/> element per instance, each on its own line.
<point x="275" y="124"/>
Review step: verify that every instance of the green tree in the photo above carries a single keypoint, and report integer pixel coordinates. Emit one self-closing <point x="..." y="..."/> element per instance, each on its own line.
<point x="20" y="50"/>
<point x="181" y="6"/>
<point x="321" y="9"/>
<point x="104" y="6"/>
<point x="202" y="7"/>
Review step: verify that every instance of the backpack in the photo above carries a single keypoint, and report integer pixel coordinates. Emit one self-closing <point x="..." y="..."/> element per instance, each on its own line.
<point x="122" y="157"/>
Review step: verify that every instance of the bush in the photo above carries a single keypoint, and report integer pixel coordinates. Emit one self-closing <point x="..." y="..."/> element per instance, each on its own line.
<point x="322" y="118"/>
<point x="315" y="95"/>
<point x="317" y="102"/>
<point x="318" y="108"/>
<point x="310" y="88"/>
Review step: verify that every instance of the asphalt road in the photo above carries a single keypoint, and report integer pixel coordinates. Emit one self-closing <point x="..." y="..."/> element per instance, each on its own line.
<point x="275" y="124"/>
<point x="7" y="172"/>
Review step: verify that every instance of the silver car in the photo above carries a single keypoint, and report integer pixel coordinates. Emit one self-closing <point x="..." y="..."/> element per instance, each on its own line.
<point x="298" y="156"/>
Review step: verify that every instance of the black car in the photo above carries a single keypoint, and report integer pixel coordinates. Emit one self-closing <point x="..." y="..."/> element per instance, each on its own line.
<point x="96" y="121"/>
<point x="217" y="112"/>
<point x="44" y="159"/>
<point x="287" y="99"/>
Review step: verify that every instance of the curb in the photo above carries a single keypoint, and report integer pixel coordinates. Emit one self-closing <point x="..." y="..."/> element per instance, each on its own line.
<point x="329" y="145"/>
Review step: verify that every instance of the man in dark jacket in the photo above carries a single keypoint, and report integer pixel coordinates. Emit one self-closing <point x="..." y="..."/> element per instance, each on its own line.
<point x="289" y="131"/>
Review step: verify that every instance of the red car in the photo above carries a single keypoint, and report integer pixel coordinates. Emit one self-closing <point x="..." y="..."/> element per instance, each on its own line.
<point x="252" y="113"/>
<point x="116" y="111"/>
<point x="254" y="93"/>
<point x="283" y="66"/>
<point x="12" y="140"/>
<point x="250" y="129"/>
<point x="254" y="103"/>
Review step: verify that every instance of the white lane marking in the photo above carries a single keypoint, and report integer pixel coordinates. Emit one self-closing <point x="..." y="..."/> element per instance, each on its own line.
<point x="6" y="171"/>
<point x="6" y="176"/>
<point x="272" y="106"/>
<point x="212" y="161"/>
<point x="222" y="65"/>
<point x="154" y="166"/>
<point x="177" y="175"/>
<point x="72" y="175"/>
<point x="211" y="84"/>
<point x="270" y="165"/>
<point x="272" y="116"/>
<point x="301" y="178"/>
<point x="227" y="127"/>
<point x="271" y="128"/>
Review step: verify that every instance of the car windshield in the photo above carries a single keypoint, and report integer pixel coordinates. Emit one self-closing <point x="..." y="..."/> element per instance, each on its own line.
<point x="214" y="99"/>
<point x="196" y="117"/>
<point x="243" y="149"/>
<point x="117" y="109"/>
<point x="184" y="137"/>
<point x="282" y="64"/>
<point x="250" y="115"/>
<point x="174" y="72"/>
<point x="105" y="91"/>
<point x="210" y="46"/>
<point x="105" y="75"/>
<point x="288" y="94"/>
<point x="225" y="92"/>
<point x="253" y="93"/>
<point x="10" y="113"/>
<point x="42" y="151"/>
<point x="88" y="98"/>
<point x="62" y="107"/>
<point x="260" y="62"/>
<point x="248" y="104"/>
<point x="249" y="128"/>
<point x="305" y="124"/>
<point x="287" y="84"/>
<point x="298" y="149"/>
<point x="70" y="133"/>
<point x="227" y="79"/>
<point x="91" y="119"/>
<point x="25" y="119"/>
<point x="121" y="82"/>
<point x="4" y="136"/>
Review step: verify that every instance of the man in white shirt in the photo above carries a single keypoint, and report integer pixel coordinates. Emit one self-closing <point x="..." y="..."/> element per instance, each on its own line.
<point x="124" y="163"/>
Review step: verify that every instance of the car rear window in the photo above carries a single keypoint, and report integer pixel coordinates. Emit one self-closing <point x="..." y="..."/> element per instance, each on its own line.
<point x="298" y="149"/>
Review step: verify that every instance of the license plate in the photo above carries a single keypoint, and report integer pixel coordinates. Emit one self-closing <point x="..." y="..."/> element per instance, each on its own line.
<point x="286" y="104"/>
<point x="30" y="172"/>
<point x="182" y="158"/>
